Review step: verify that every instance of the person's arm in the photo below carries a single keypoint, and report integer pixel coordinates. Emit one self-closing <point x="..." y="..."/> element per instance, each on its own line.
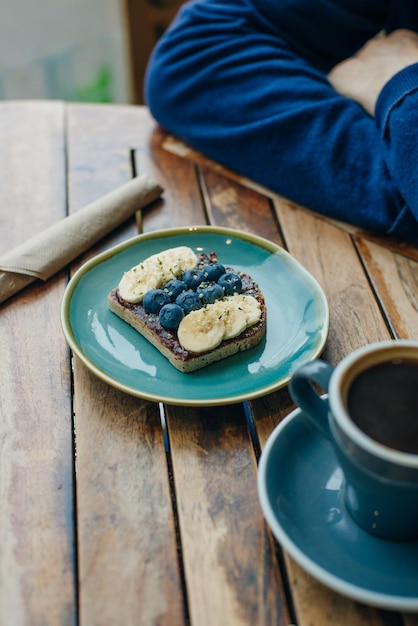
<point x="363" y="76"/>
<point x="383" y="78"/>
<point x="396" y="114"/>
<point x="235" y="84"/>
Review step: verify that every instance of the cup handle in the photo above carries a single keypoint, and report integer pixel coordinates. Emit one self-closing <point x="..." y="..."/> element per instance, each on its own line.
<point x="303" y="393"/>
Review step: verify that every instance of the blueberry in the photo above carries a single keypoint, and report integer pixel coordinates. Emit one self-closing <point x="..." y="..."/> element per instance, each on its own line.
<point x="171" y="315"/>
<point x="193" y="278"/>
<point x="174" y="288"/>
<point x="189" y="301"/>
<point x="214" y="271"/>
<point x="209" y="292"/>
<point x="230" y="283"/>
<point x="154" y="300"/>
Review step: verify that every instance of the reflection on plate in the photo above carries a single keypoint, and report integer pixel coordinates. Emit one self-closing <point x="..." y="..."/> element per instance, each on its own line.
<point x="299" y="485"/>
<point x="297" y="321"/>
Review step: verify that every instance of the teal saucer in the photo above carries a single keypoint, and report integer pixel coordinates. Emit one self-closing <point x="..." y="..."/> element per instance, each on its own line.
<point x="299" y="485"/>
<point x="297" y="321"/>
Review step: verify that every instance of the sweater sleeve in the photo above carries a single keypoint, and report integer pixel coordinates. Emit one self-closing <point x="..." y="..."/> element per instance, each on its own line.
<point x="396" y="116"/>
<point x="245" y="84"/>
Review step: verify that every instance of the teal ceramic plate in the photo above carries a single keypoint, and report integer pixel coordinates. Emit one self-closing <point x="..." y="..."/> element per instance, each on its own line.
<point x="297" y="321"/>
<point x="300" y="489"/>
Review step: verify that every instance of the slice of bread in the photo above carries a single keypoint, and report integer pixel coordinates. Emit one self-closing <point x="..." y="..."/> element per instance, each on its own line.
<point x="167" y="341"/>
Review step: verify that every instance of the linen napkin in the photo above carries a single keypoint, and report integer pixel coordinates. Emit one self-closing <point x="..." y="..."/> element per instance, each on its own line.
<point x="49" y="251"/>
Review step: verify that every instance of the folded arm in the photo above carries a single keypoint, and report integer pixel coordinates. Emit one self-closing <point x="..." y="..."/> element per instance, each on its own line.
<point x="235" y="84"/>
<point x="363" y="76"/>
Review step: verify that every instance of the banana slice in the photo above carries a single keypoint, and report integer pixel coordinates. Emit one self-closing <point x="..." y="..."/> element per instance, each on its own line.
<point x="155" y="271"/>
<point x="225" y="319"/>
<point x="233" y="318"/>
<point x="201" y="330"/>
<point x="140" y="279"/>
<point x="175" y="261"/>
<point x="250" y="306"/>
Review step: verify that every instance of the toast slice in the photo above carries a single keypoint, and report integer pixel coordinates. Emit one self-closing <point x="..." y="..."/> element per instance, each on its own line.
<point x="167" y="340"/>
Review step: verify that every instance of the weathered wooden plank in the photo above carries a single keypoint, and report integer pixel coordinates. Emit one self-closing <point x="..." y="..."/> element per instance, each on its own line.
<point x="331" y="269"/>
<point x="317" y="605"/>
<point x="230" y="566"/>
<point x="128" y="566"/>
<point x="32" y="169"/>
<point x="175" y="146"/>
<point x="100" y="152"/>
<point x="395" y="280"/>
<point x="339" y="272"/>
<point x="128" y="570"/>
<point x="37" y="568"/>
<point x="212" y="598"/>
<point x="207" y="445"/>
<point x="231" y="204"/>
<point x="397" y="246"/>
<point x="181" y="205"/>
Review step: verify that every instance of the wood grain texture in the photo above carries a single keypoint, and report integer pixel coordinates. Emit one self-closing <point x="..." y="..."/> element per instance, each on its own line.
<point x="128" y="569"/>
<point x="355" y="318"/>
<point x="231" y="204"/>
<point x="339" y="271"/>
<point x="225" y="584"/>
<point x="231" y="572"/>
<point x="127" y="549"/>
<point x="36" y="479"/>
<point x="181" y="204"/>
<point x="395" y="280"/>
<point x="161" y="522"/>
<point x="317" y="605"/>
<point x="32" y="169"/>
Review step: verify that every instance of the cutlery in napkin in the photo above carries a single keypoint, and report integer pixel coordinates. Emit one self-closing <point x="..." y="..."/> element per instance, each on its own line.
<point x="52" y="249"/>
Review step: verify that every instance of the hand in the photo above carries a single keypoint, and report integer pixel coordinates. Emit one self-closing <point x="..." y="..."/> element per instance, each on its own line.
<point x="363" y="76"/>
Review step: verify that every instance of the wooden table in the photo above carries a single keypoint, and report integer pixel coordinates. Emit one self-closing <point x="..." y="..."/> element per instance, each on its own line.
<point x="100" y="522"/>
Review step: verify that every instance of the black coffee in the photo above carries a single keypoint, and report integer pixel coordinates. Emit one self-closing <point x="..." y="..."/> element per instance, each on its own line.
<point x="383" y="402"/>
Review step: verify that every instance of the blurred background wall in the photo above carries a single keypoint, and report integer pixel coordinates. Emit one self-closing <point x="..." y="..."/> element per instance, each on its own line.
<point x="79" y="50"/>
<point x="66" y="49"/>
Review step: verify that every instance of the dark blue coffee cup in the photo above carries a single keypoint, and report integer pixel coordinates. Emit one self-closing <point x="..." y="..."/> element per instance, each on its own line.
<point x="370" y="414"/>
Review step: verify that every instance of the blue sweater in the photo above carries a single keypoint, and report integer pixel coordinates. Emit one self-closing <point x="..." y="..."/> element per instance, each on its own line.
<point x="245" y="82"/>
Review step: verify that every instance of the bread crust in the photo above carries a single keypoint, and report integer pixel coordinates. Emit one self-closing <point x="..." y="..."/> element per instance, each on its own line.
<point x="166" y="341"/>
